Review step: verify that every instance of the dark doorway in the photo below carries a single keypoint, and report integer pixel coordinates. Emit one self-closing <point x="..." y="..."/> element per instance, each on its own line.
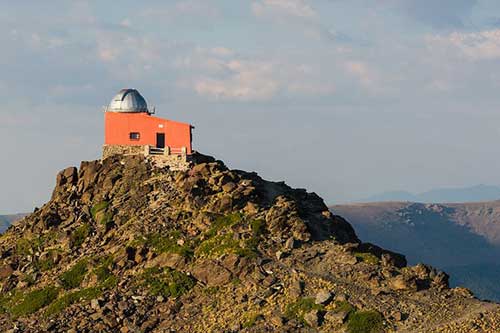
<point x="160" y="140"/>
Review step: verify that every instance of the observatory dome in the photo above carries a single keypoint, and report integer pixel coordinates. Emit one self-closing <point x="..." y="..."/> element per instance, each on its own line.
<point x="128" y="100"/>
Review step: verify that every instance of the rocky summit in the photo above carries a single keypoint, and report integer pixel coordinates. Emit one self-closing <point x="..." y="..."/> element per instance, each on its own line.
<point x="127" y="246"/>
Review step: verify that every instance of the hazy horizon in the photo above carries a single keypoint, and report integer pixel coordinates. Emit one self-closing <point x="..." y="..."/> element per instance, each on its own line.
<point x="344" y="98"/>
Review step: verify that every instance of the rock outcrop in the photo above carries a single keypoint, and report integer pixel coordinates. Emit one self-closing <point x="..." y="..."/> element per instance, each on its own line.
<point x="126" y="246"/>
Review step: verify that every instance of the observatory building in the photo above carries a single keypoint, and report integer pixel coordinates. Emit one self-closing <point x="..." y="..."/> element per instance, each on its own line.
<point x="130" y="129"/>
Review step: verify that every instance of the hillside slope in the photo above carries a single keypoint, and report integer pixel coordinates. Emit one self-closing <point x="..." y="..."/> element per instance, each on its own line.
<point x="124" y="246"/>
<point x="462" y="239"/>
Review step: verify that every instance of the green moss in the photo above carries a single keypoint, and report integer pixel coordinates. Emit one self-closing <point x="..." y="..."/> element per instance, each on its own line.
<point x="367" y="257"/>
<point x="302" y="306"/>
<point x="34" y="301"/>
<point x="79" y="235"/>
<point x="344" y="306"/>
<point x="101" y="206"/>
<point x="73" y="277"/>
<point x="223" y="222"/>
<point x="168" y="244"/>
<point x="166" y="282"/>
<point x="48" y="263"/>
<point x="258" y="227"/>
<point x="365" y="322"/>
<point x="251" y="320"/>
<point x="211" y="290"/>
<point x="71" y="298"/>
<point x="104" y="275"/>
<point x="24" y="247"/>
<point x="101" y="214"/>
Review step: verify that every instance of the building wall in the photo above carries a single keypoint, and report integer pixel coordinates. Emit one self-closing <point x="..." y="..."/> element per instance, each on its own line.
<point x="118" y="127"/>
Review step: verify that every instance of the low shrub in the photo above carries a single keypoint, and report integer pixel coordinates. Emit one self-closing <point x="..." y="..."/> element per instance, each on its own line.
<point x="258" y="227"/>
<point x="251" y="320"/>
<point x="367" y="257"/>
<point x="365" y="322"/>
<point x="344" y="306"/>
<point x="79" y="235"/>
<point x="167" y="282"/>
<point x="168" y="244"/>
<point x="73" y="277"/>
<point x="33" y="301"/>
<point x="103" y="205"/>
<point x="223" y="222"/>
<point x="301" y="307"/>
<point x="71" y="298"/>
<point x="101" y="215"/>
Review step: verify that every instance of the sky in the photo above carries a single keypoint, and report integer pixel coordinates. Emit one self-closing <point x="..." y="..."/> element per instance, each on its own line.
<point x="345" y="98"/>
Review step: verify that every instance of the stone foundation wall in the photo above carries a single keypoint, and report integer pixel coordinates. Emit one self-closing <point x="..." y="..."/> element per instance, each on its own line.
<point x="174" y="162"/>
<point x="110" y="150"/>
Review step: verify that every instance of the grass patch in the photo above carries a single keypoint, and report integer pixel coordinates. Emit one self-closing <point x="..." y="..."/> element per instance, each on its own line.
<point x="73" y="277"/>
<point x="367" y="257"/>
<point x="225" y="244"/>
<point x="223" y="222"/>
<point x="258" y="227"/>
<point x="105" y="277"/>
<point x="168" y="244"/>
<point x="101" y="206"/>
<point x="167" y="282"/>
<point x="344" y="306"/>
<point x="33" y="301"/>
<point x="79" y="235"/>
<point x="24" y="247"/>
<point x="71" y="298"/>
<point x="251" y="320"/>
<point x="301" y="307"/>
<point x="365" y="322"/>
<point x="101" y="215"/>
<point x="48" y="263"/>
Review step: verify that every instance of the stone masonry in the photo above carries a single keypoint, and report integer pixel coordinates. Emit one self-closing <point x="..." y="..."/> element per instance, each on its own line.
<point x="176" y="162"/>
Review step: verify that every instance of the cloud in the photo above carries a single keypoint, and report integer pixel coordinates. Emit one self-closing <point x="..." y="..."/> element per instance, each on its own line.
<point x="293" y="8"/>
<point x="223" y="74"/>
<point x="438" y="14"/>
<point x="250" y="80"/>
<point x="482" y="45"/>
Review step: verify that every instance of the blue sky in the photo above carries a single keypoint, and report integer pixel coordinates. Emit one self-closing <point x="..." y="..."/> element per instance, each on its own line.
<point x="344" y="98"/>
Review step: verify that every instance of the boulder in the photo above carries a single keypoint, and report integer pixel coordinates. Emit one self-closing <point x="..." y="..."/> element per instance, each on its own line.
<point x="6" y="271"/>
<point x="323" y="297"/>
<point x="211" y="273"/>
<point x="312" y="318"/>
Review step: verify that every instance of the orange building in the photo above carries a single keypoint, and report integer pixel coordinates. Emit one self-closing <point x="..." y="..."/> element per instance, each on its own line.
<point x="130" y="129"/>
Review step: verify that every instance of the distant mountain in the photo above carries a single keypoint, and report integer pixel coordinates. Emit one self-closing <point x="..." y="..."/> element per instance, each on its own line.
<point x="476" y="193"/>
<point x="462" y="239"/>
<point x="6" y="220"/>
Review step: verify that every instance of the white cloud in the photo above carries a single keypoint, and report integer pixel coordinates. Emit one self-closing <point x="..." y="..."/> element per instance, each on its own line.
<point x="480" y="45"/>
<point x="222" y="74"/>
<point x="250" y="80"/>
<point x="296" y="8"/>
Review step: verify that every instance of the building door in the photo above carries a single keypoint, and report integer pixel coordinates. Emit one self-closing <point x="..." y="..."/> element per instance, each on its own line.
<point x="160" y="140"/>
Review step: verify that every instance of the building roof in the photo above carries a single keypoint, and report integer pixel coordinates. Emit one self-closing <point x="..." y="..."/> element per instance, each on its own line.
<point x="128" y="100"/>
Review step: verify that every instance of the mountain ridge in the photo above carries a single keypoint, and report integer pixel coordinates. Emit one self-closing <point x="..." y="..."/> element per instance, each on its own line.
<point x="477" y="193"/>
<point x="460" y="238"/>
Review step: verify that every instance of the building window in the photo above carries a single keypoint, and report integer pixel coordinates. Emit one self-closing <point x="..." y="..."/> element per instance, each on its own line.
<point x="135" y="136"/>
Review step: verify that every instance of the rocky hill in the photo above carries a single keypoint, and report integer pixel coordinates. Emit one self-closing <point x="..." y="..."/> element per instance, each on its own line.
<point x="462" y="239"/>
<point x="6" y="220"/>
<point x="125" y="246"/>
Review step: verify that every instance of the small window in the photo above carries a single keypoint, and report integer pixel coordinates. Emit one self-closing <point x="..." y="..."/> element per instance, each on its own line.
<point x="135" y="136"/>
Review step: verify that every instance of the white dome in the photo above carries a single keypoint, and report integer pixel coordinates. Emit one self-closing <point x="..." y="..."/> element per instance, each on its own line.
<point x="128" y="100"/>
